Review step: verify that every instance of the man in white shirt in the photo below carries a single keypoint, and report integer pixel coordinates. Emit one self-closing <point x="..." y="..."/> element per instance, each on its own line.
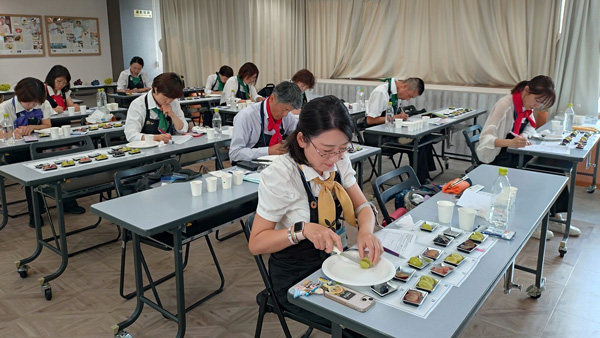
<point x="259" y="128"/>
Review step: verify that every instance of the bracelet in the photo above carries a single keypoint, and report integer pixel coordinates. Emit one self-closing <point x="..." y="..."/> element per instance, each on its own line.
<point x="289" y="235"/>
<point x="294" y="237"/>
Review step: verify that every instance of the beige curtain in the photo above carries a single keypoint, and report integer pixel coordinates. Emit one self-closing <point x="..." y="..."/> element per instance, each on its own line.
<point x="470" y="42"/>
<point x="201" y="36"/>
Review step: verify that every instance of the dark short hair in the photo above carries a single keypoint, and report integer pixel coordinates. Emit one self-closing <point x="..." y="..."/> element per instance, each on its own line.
<point x="540" y="85"/>
<point x="226" y="71"/>
<point x="56" y="72"/>
<point x="138" y="60"/>
<point x="288" y="93"/>
<point x="30" y="89"/>
<point x="318" y="116"/>
<point x="168" y="84"/>
<point x="247" y="70"/>
<point x="415" y="83"/>
<point x="306" y="77"/>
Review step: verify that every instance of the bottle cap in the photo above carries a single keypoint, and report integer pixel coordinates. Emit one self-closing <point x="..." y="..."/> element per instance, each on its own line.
<point x="216" y="110"/>
<point x="5" y="115"/>
<point x="570" y="105"/>
<point x="390" y="103"/>
<point x="502" y="171"/>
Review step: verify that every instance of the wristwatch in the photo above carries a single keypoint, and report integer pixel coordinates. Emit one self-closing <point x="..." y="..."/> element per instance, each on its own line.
<point x="299" y="230"/>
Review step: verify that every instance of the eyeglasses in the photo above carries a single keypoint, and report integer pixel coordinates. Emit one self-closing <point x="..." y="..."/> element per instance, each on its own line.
<point x="329" y="154"/>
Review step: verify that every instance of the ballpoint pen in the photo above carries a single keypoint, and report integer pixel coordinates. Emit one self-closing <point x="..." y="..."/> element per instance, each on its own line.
<point x="458" y="181"/>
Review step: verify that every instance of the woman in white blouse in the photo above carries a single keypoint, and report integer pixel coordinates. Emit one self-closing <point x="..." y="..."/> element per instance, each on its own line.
<point x="298" y="221"/>
<point x="243" y="84"/>
<point x="510" y="123"/>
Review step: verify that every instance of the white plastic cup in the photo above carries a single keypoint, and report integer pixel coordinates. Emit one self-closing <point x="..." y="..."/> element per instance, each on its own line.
<point x="115" y="106"/>
<point x="445" y="211"/>
<point x="71" y="110"/>
<point x="82" y="108"/>
<point x="149" y="139"/>
<point x="557" y="127"/>
<point x="196" y="188"/>
<point x="242" y="105"/>
<point x="226" y="180"/>
<point x="66" y="130"/>
<point x="466" y="218"/>
<point x="211" y="184"/>
<point x="210" y="133"/>
<point x="578" y="119"/>
<point x="426" y="121"/>
<point x="398" y="123"/>
<point x="238" y="177"/>
<point x="54" y="132"/>
<point x="230" y="129"/>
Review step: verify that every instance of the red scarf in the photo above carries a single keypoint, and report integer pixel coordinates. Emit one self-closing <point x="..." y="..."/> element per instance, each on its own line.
<point x="518" y="102"/>
<point x="57" y="98"/>
<point x="273" y="125"/>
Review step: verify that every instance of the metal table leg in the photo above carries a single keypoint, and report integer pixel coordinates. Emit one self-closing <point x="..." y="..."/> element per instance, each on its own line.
<point x="4" y="204"/>
<point x="592" y="187"/>
<point x="359" y="173"/>
<point x="22" y="266"/>
<point x="535" y="290"/>
<point x="562" y="249"/>
<point x="415" y="155"/>
<point x="380" y="159"/>
<point x="179" y="287"/>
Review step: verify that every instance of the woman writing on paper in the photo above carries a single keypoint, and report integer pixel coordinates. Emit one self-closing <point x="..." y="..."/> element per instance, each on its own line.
<point x="58" y="89"/>
<point x="302" y="195"/>
<point x="242" y="85"/>
<point x="216" y="82"/>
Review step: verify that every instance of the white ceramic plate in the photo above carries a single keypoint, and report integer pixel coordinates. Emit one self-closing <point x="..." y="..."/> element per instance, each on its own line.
<point x="142" y="144"/>
<point x="350" y="273"/>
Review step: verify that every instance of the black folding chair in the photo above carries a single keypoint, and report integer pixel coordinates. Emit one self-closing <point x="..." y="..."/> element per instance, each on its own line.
<point x="471" y="135"/>
<point x="407" y="179"/>
<point x="267" y="301"/>
<point x="125" y="182"/>
<point x="114" y="138"/>
<point x="75" y="187"/>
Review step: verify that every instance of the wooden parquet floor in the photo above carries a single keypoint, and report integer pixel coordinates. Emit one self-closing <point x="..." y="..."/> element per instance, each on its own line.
<point x="86" y="302"/>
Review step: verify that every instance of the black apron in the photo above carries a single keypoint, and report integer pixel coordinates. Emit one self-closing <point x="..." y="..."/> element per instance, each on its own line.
<point x="151" y="125"/>
<point x="304" y="99"/>
<point x="52" y="102"/>
<point x="292" y="264"/>
<point x="130" y="84"/>
<point x="264" y="139"/>
<point x="511" y="160"/>
<point x="241" y="94"/>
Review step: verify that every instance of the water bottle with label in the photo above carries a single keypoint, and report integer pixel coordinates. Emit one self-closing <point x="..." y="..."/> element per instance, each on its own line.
<point x="389" y="117"/>
<point x="7" y="129"/>
<point x="232" y="99"/>
<point x="500" y="200"/>
<point x="101" y="100"/>
<point x="216" y="123"/>
<point x="361" y="99"/>
<point x="357" y="97"/>
<point x="569" y="117"/>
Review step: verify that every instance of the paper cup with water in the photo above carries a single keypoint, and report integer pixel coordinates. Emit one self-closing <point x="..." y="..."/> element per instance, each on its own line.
<point x="238" y="177"/>
<point x="211" y="184"/>
<point x="445" y="211"/>
<point x="196" y="188"/>
<point x="226" y="180"/>
<point x="466" y="218"/>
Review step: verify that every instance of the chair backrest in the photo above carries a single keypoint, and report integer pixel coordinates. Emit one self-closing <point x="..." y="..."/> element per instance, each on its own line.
<point x="119" y="116"/>
<point x="221" y="153"/>
<point x="61" y="147"/>
<point x="113" y="139"/>
<point x="122" y="177"/>
<point x="407" y="178"/>
<point x="471" y="135"/>
<point x="359" y="122"/>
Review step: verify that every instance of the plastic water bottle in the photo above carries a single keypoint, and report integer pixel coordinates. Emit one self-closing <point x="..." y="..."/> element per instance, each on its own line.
<point x="361" y="99"/>
<point x="569" y="117"/>
<point x="500" y="201"/>
<point x="7" y="128"/>
<point x="358" y="97"/>
<point x="216" y="122"/>
<point x="101" y="100"/>
<point x="389" y="117"/>
<point x="231" y="99"/>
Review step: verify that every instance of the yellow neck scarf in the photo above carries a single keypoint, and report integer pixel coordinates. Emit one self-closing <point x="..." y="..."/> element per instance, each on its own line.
<point x="326" y="205"/>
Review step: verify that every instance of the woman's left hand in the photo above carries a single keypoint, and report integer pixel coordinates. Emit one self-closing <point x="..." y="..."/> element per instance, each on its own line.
<point x="167" y="110"/>
<point x="368" y="240"/>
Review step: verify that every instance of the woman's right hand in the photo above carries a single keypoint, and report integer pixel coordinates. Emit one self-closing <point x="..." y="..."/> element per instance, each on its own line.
<point x="519" y="142"/>
<point x="59" y="109"/>
<point x="322" y="238"/>
<point x="165" y="138"/>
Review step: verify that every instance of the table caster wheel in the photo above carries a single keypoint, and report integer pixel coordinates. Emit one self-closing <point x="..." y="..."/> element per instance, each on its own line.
<point x="23" y="271"/>
<point x="47" y="291"/>
<point x="535" y="292"/>
<point x="123" y="334"/>
<point x="562" y="253"/>
<point x="591" y="188"/>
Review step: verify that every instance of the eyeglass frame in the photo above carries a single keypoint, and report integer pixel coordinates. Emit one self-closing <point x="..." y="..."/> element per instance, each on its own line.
<point x="349" y="149"/>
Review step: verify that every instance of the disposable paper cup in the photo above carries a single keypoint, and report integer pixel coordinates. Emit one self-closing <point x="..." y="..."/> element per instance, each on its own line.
<point x="230" y="129"/>
<point x="149" y="138"/>
<point x="196" y="188"/>
<point x="210" y="133"/>
<point x="54" y="132"/>
<point x="115" y="106"/>
<point x="466" y="218"/>
<point x="71" y="110"/>
<point x="242" y="105"/>
<point x="445" y="211"/>
<point x="238" y="177"/>
<point x="426" y="121"/>
<point x="557" y="126"/>
<point x="211" y="184"/>
<point x="82" y="108"/>
<point x="578" y="119"/>
<point x="411" y="126"/>
<point x="226" y="181"/>
<point x="66" y="129"/>
<point x="398" y="123"/>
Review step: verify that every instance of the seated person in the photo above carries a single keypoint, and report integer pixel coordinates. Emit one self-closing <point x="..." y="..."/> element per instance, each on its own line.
<point x="513" y="115"/>
<point x="243" y="84"/>
<point x="259" y="128"/>
<point x="158" y="113"/>
<point x="394" y="90"/>
<point x="305" y="80"/>
<point x="134" y="79"/>
<point x="58" y="89"/>
<point x="216" y="82"/>
<point x="316" y="172"/>
<point x="29" y="111"/>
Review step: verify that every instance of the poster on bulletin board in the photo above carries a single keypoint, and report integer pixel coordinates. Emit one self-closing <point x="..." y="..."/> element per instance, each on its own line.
<point x="21" y="35"/>
<point x="72" y="35"/>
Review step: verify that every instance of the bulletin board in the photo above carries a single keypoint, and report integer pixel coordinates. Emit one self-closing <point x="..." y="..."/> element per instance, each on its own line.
<point x="72" y="35"/>
<point x="21" y="35"/>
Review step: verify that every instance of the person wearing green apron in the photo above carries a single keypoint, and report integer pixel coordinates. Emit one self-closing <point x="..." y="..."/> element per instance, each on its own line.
<point x="243" y="85"/>
<point x="216" y="82"/>
<point x="134" y="79"/>
<point x="305" y="80"/>
<point x="307" y="197"/>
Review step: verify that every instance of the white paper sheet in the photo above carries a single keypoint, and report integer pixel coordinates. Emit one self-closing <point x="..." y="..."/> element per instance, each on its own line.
<point x="399" y="241"/>
<point x="180" y="139"/>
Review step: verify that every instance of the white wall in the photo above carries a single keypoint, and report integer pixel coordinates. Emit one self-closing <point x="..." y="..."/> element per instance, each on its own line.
<point x="86" y="68"/>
